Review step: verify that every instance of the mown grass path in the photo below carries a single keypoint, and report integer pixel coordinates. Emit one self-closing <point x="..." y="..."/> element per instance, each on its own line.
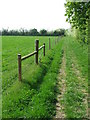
<point x="73" y="81"/>
<point x="61" y="85"/>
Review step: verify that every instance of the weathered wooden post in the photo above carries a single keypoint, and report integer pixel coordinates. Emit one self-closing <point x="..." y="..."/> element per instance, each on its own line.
<point x="36" y="48"/>
<point x="19" y="67"/>
<point x="49" y="44"/>
<point x="44" y="49"/>
<point x="55" y="40"/>
<point x="58" y="39"/>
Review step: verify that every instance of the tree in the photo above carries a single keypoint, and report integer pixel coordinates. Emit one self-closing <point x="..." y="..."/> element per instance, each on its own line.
<point x="77" y="15"/>
<point x="5" y="32"/>
<point x="34" y="32"/>
<point x="43" y="32"/>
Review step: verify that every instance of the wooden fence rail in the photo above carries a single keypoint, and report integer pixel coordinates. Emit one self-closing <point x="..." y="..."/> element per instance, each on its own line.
<point x="29" y="55"/>
<point x="41" y="47"/>
<point x="20" y="59"/>
<point x="37" y="49"/>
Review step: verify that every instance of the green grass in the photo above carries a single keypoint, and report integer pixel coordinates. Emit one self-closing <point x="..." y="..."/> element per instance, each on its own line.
<point x="74" y="96"/>
<point x="35" y="96"/>
<point x="11" y="46"/>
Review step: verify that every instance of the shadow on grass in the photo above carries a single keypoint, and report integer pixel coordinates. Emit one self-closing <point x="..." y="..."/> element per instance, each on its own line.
<point x="37" y="78"/>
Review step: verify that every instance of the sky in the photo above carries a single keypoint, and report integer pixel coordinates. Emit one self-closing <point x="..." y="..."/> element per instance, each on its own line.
<point x="28" y="14"/>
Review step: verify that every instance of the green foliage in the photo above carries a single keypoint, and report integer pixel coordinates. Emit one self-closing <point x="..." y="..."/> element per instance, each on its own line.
<point x="43" y="32"/>
<point x="34" y="32"/>
<point x="77" y="15"/>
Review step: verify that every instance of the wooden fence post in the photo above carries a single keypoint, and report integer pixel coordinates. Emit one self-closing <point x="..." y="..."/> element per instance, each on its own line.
<point x="55" y="41"/>
<point x="36" y="48"/>
<point x="44" y="49"/>
<point x="19" y="67"/>
<point x="58" y="39"/>
<point x="49" y="44"/>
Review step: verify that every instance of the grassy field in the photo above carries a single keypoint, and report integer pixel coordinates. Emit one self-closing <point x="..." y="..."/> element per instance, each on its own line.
<point x="11" y="47"/>
<point x="36" y="96"/>
<point x="36" y="82"/>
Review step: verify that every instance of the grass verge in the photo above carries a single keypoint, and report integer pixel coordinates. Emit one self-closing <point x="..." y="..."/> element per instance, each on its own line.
<point x="76" y="80"/>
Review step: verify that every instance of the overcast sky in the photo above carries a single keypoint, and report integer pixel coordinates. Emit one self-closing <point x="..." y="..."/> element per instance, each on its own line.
<point x="28" y="14"/>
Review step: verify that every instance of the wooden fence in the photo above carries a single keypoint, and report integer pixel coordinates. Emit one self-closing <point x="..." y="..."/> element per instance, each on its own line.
<point x="37" y="49"/>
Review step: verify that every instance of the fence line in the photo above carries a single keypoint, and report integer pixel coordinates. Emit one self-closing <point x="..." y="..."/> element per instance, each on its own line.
<point x="49" y="44"/>
<point x="20" y="59"/>
<point x="37" y="49"/>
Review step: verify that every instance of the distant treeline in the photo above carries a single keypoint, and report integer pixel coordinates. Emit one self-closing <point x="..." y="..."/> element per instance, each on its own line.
<point x="33" y="32"/>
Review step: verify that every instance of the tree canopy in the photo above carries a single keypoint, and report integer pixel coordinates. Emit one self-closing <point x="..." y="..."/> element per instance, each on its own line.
<point x="78" y="15"/>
